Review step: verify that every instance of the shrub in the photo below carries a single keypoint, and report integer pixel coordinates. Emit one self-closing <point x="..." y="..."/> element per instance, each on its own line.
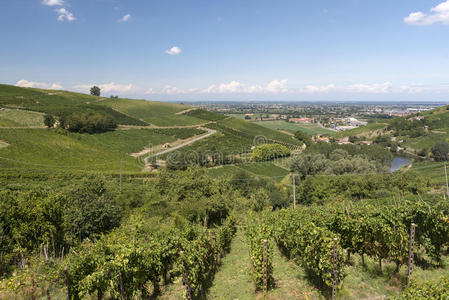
<point x="49" y="121"/>
<point x="88" y="122"/>
<point x="440" y="151"/>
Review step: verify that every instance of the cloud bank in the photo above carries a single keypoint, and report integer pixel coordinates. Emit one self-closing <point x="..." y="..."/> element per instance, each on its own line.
<point x="40" y="85"/>
<point x="438" y="14"/>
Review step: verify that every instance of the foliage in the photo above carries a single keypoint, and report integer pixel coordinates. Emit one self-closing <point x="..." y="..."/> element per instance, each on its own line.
<point x="258" y="231"/>
<point x="440" y="151"/>
<point x="91" y="210"/>
<point x="325" y="189"/>
<point x="431" y="290"/>
<point x="49" y="121"/>
<point x="303" y="137"/>
<point x="269" y="152"/>
<point x="88" y="122"/>
<point x="95" y="91"/>
<point x="310" y="245"/>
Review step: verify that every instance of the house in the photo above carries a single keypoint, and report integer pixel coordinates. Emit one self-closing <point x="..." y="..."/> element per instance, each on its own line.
<point x="320" y="139"/>
<point x="416" y="118"/>
<point x="344" y="141"/>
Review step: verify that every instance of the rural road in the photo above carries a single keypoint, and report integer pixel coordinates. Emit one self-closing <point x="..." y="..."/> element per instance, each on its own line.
<point x="210" y="132"/>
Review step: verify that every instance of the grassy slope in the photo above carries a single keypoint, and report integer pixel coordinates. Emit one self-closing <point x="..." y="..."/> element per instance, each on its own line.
<point x="310" y="129"/>
<point x="57" y="102"/>
<point x="156" y="113"/>
<point x="101" y="152"/>
<point x="20" y="118"/>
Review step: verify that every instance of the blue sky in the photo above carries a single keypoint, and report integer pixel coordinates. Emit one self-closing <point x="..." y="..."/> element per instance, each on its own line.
<point x="230" y="49"/>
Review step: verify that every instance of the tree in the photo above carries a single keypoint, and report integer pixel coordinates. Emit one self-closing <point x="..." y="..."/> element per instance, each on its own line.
<point x="440" y="151"/>
<point x="91" y="210"/>
<point x="49" y="121"/>
<point x="95" y="91"/>
<point x="303" y="137"/>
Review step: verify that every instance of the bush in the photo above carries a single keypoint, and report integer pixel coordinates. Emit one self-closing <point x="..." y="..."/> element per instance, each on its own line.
<point x="303" y="137"/>
<point x="270" y="151"/>
<point x="88" y="122"/>
<point x="440" y="151"/>
<point x="49" y="121"/>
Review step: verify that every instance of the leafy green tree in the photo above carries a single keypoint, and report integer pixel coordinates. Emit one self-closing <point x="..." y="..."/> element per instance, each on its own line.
<point x="88" y="122"/>
<point x="49" y="121"/>
<point x="440" y="151"/>
<point x="95" y="91"/>
<point x="309" y="164"/>
<point x="90" y="210"/>
<point x="303" y="137"/>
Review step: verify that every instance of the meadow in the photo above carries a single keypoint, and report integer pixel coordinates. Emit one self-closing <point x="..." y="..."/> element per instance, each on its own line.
<point x="310" y="129"/>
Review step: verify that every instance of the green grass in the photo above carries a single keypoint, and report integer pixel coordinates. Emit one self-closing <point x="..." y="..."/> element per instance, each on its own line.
<point x="233" y="280"/>
<point x="205" y="115"/>
<point x="254" y="130"/>
<point x="46" y="149"/>
<point x="311" y="129"/>
<point x="362" y="130"/>
<point x="266" y="169"/>
<point x="152" y="112"/>
<point x="57" y="103"/>
<point x="83" y="151"/>
<point x="21" y="118"/>
<point x="431" y="169"/>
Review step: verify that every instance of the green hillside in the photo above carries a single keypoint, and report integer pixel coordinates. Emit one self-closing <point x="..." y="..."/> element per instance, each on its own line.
<point x="155" y="113"/>
<point x="27" y="143"/>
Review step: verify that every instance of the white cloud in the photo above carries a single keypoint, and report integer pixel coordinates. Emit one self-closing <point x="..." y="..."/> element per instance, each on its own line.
<point x="439" y="14"/>
<point x="174" y="51"/>
<point x="40" y="85"/>
<point x="371" y="88"/>
<point x="108" y="87"/>
<point x="319" y="89"/>
<point x="53" y="2"/>
<point x="150" y="91"/>
<point x="125" y="18"/>
<point x="277" y="86"/>
<point x="64" y="14"/>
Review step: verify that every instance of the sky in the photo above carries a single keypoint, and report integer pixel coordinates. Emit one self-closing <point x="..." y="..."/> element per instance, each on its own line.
<point x="248" y="50"/>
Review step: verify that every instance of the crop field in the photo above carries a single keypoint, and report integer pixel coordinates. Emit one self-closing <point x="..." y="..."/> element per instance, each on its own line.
<point x="205" y="115"/>
<point x="58" y="103"/>
<point x="49" y="149"/>
<point x="254" y="130"/>
<point x="21" y="118"/>
<point x="152" y="112"/>
<point x="311" y="129"/>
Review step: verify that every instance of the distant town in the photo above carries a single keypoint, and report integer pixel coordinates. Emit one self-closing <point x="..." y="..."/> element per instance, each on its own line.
<point x="331" y="116"/>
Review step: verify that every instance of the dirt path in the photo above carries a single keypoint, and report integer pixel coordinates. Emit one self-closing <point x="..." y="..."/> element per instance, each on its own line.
<point x="186" y="111"/>
<point x="210" y="132"/>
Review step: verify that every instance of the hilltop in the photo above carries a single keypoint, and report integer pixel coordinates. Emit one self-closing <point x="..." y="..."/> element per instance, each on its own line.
<point x="143" y="127"/>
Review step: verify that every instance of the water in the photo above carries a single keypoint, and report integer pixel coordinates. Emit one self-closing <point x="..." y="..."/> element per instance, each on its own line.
<point x="399" y="162"/>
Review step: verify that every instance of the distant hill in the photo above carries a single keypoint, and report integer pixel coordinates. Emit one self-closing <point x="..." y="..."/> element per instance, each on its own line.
<point x="27" y="143"/>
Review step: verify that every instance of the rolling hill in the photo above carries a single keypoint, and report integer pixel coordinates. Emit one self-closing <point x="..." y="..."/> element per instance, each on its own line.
<point x="27" y="143"/>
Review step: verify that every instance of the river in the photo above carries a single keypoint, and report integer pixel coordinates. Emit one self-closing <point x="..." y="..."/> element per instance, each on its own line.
<point x="399" y="162"/>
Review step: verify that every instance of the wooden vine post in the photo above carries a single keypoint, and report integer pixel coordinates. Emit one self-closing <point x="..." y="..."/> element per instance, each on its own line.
<point x="122" y="288"/>
<point x="66" y="276"/>
<point x="33" y="289"/>
<point x="265" y="271"/>
<point x="411" y="253"/>
<point x="185" y="278"/>
<point x="334" y="271"/>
